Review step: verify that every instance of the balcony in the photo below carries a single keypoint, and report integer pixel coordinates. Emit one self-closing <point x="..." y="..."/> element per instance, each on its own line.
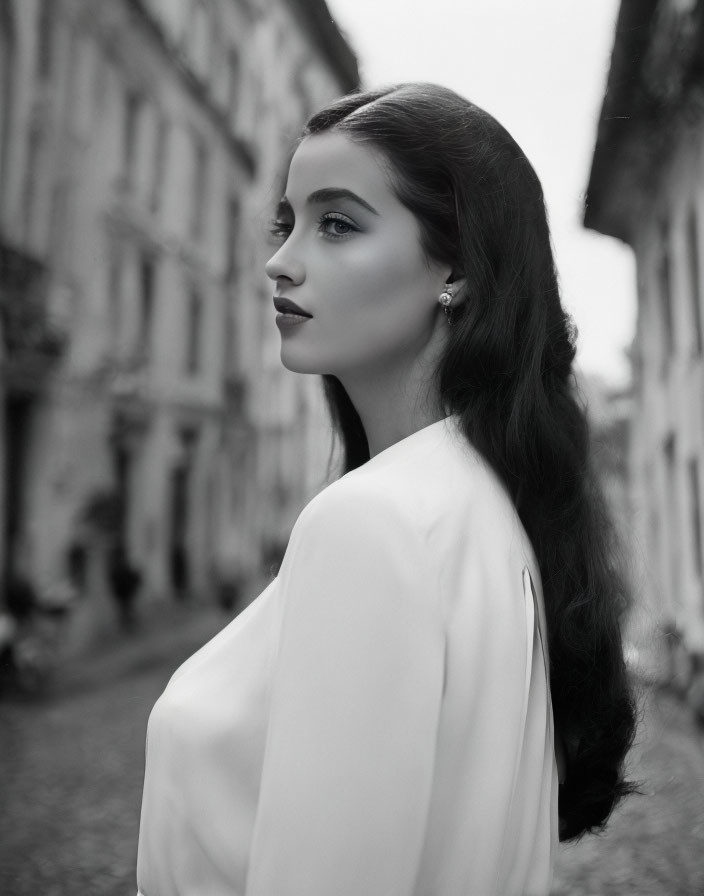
<point x="236" y="393"/>
<point x="130" y="391"/>
<point x="32" y="343"/>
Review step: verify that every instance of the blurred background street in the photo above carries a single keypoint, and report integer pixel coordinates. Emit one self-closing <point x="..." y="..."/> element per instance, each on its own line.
<point x="72" y="770"/>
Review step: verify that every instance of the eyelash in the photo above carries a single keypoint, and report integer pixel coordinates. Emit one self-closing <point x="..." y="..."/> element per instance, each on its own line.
<point x="282" y="229"/>
<point x="329" y="217"/>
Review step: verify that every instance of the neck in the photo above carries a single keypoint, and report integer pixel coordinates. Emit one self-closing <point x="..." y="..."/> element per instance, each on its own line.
<point x="392" y="405"/>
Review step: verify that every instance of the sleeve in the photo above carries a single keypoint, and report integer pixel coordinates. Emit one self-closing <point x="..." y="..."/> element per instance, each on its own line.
<point x="358" y="680"/>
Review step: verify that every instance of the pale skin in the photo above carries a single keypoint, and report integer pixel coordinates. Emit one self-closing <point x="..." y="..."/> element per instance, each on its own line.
<point x="359" y="269"/>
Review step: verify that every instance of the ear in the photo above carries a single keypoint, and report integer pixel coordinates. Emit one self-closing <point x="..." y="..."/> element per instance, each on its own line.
<point x="459" y="289"/>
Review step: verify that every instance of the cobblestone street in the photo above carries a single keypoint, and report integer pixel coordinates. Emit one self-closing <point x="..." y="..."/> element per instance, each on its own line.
<point x="71" y="780"/>
<point x="654" y="845"/>
<point x="71" y="768"/>
<point x="72" y="775"/>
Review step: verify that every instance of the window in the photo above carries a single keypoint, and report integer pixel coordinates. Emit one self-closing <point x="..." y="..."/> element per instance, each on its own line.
<point x="61" y="223"/>
<point x="695" y="498"/>
<point x="35" y="143"/>
<point x="200" y="33"/>
<point x="147" y="285"/>
<point x="672" y="523"/>
<point x="232" y="232"/>
<point x="159" y="170"/>
<point x="45" y="38"/>
<point x="233" y="85"/>
<point x="665" y="285"/>
<point x="82" y="75"/>
<point x="694" y="280"/>
<point x="115" y="295"/>
<point x="669" y="451"/>
<point x="194" y="326"/>
<point x="200" y="177"/>
<point x="7" y="67"/>
<point x="130" y="135"/>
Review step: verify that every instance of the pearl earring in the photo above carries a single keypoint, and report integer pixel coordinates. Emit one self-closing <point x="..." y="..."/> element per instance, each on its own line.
<point x="446" y="300"/>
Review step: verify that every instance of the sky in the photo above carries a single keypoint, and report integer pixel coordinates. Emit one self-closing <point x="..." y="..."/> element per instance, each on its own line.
<point x="540" y="68"/>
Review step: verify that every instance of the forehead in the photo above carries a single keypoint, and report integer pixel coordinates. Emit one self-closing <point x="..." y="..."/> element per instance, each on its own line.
<point x="332" y="159"/>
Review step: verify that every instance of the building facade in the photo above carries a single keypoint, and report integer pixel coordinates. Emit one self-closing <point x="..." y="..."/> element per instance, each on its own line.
<point x="647" y="188"/>
<point x="146" y="412"/>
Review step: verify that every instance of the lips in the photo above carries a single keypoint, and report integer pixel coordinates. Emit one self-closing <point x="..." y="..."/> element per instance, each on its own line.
<point x="286" y="306"/>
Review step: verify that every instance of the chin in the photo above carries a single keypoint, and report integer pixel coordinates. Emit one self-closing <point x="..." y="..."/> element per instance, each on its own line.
<point x="299" y="363"/>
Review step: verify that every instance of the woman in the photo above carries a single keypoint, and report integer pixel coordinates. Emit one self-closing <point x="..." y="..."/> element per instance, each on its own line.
<point x="381" y="720"/>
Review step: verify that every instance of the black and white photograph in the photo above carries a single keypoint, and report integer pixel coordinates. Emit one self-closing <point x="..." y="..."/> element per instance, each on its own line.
<point x="351" y="448"/>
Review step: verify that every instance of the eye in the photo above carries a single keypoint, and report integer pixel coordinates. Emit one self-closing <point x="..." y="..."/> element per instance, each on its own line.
<point x="280" y="230"/>
<point x="336" y="226"/>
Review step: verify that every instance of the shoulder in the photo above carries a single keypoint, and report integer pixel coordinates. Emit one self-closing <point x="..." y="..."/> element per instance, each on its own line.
<point x="352" y="545"/>
<point x="360" y="508"/>
<point x="354" y="528"/>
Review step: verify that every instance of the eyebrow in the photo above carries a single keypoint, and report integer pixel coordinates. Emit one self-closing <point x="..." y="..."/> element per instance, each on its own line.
<point x="329" y="194"/>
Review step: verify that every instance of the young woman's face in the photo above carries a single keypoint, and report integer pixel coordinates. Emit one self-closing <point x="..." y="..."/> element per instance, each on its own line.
<point x="351" y="257"/>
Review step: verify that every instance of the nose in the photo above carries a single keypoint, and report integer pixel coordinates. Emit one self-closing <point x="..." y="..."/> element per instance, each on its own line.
<point x="284" y="264"/>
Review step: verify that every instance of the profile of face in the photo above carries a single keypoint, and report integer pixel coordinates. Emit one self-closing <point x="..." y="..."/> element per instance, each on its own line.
<point x="351" y="257"/>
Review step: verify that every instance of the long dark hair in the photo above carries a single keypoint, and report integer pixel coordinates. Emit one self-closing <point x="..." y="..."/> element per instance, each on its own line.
<point x="507" y="373"/>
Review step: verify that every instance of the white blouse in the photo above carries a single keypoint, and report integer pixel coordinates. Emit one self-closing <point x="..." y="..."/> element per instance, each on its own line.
<point x="378" y="721"/>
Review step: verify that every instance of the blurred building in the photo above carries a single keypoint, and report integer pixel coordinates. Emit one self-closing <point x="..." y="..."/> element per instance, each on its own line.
<point x="647" y="188"/>
<point x="141" y="148"/>
<point x="609" y="411"/>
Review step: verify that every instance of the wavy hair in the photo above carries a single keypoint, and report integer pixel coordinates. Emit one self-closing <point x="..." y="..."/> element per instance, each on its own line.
<point x="507" y="373"/>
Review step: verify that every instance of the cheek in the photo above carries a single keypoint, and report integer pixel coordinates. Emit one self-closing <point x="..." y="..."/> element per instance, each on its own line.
<point x="379" y="301"/>
<point x="379" y="274"/>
